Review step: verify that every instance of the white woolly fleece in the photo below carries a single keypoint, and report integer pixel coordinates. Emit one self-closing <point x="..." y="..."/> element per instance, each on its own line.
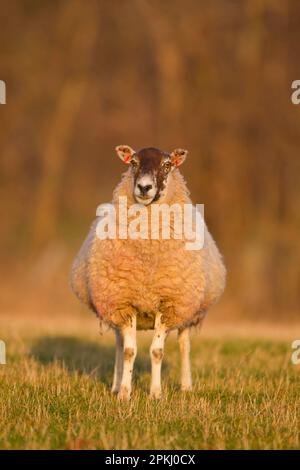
<point x="122" y="278"/>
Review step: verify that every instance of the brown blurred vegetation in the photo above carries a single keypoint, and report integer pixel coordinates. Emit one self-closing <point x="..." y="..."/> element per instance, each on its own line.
<point x="211" y="76"/>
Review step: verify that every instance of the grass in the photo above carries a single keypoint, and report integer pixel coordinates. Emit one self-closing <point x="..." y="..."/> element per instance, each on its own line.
<point x="55" y="392"/>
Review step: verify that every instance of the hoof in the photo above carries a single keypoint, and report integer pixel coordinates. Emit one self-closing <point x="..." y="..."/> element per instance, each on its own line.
<point x="155" y="394"/>
<point x="114" y="390"/>
<point x="124" y="394"/>
<point x="186" y="388"/>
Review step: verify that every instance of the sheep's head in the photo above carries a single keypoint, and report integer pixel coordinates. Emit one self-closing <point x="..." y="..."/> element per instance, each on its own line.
<point x="151" y="169"/>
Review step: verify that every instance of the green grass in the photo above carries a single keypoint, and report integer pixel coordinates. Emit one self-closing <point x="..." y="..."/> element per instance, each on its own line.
<point x="55" y="394"/>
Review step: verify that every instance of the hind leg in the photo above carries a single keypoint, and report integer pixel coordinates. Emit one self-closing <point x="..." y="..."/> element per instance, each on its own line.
<point x="184" y="346"/>
<point x="118" y="371"/>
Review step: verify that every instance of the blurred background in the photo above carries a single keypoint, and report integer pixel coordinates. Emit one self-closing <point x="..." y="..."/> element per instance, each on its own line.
<point x="213" y="77"/>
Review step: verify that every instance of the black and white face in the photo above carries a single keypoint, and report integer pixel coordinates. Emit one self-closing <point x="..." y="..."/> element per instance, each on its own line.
<point x="151" y="168"/>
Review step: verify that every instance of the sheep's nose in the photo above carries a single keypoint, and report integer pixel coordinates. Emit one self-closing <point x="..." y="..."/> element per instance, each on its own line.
<point x="144" y="189"/>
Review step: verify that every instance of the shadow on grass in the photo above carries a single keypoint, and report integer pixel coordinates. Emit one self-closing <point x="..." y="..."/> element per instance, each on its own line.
<point x="85" y="357"/>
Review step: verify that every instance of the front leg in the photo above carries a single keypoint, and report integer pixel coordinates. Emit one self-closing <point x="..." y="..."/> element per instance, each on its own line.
<point x="129" y="354"/>
<point x="184" y="346"/>
<point x="156" y="354"/>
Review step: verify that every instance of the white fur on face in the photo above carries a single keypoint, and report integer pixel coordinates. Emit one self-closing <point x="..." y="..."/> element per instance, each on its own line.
<point x="145" y="180"/>
<point x="164" y="191"/>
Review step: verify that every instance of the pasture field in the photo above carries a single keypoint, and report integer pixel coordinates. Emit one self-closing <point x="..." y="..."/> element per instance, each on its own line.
<point x="55" y="389"/>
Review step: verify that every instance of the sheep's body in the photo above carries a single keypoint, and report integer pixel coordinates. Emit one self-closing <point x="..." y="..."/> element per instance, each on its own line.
<point x="120" y="279"/>
<point x="148" y="283"/>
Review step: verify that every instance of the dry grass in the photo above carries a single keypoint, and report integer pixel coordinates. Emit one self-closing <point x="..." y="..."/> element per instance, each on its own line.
<point x="55" y="390"/>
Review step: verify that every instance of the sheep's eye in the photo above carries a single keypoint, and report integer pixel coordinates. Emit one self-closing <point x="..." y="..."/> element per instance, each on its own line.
<point x="167" y="166"/>
<point x="134" y="164"/>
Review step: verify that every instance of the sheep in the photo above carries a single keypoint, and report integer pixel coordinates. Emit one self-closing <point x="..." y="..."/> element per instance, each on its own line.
<point x="143" y="284"/>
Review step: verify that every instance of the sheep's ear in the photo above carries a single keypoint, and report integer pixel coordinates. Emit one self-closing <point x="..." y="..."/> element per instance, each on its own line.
<point x="178" y="156"/>
<point x="125" y="153"/>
